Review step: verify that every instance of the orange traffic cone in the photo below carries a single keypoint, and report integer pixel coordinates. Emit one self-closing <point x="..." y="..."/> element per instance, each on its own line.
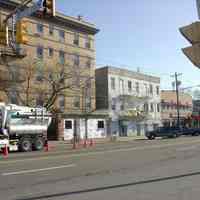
<point x="85" y="144"/>
<point x="92" y="143"/>
<point x="5" y="151"/>
<point x="75" y="145"/>
<point x="46" y="146"/>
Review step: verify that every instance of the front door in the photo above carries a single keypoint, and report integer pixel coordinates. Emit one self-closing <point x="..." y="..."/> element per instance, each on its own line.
<point x="138" y="130"/>
<point x="123" y="129"/>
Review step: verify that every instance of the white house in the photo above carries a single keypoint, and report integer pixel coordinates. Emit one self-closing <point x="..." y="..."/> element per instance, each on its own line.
<point x="128" y="95"/>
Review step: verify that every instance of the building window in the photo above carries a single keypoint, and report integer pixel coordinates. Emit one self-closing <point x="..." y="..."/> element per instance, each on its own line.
<point x="76" y="60"/>
<point x="157" y="90"/>
<point x="68" y="124"/>
<point x="151" y="89"/>
<point x="168" y="106"/>
<point x="137" y="87"/>
<point x="13" y="97"/>
<point x="88" y="103"/>
<point x="77" y="102"/>
<point x="15" y="72"/>
<point x="152" y="109"/>
<point x="39" y="100"/>
<point x="87" y="42"/>
<point x="158" y="107"/>
<point x="39" y="75"/>
<point x="113" y="103"/>
<point x="146" y="89"/>
<point x="62" y="35"/>
<point x="40" y="52"/>
<point x="62" y="57"/>
<point x="50" y="51"/>
<point x="51" y="30"/>
<point x="100" y="124"/>
<point x="121" y="86"/>
<point x="61" y="102"/>
<point x="113" y="83"/>
<point x="40" y="28"/>
<point x="62" y="75"/>
<point x="76" y="39"/>
<point x="146" y="107"/>
<point x="88" y="63"/>
<point x="129" y="86"/>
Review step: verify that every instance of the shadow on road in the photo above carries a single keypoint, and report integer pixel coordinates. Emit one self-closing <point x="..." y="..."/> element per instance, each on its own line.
<point x="110" y="187"/>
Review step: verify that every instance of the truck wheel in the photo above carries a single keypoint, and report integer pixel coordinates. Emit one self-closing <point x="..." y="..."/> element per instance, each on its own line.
<point x="25" y="144"/>
<point x="151" y="137"/>
<point x="38" y="144"/>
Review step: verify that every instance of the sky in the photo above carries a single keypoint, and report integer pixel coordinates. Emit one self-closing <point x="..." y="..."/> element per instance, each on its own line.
<point x="140" y="34"/>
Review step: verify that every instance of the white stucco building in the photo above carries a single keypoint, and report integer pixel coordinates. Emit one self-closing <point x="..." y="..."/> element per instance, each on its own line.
<point x="132" y="100"/>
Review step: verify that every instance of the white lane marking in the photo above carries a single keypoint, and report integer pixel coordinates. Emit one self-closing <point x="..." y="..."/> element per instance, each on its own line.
<point x="74" y="155"/>
<point x="37" y="170"/>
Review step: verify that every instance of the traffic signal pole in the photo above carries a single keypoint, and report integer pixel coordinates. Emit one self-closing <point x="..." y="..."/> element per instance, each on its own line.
<point x="177" y="98"/>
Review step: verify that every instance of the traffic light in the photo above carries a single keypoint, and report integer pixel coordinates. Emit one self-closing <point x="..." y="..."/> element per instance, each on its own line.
<point x="21" y="32"/>
<point x="193" y="54"/>
<point x="49" y="7"/>
<point x="3" y="34"/>
<point x="192" y="34"/>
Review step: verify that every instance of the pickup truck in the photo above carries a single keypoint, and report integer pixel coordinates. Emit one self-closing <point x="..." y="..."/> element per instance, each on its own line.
<point x="171" y="132"/>
<point x="191" y="131"/>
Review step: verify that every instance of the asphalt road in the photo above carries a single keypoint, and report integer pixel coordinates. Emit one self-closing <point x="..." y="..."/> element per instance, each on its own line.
<point x="142" y="170"/>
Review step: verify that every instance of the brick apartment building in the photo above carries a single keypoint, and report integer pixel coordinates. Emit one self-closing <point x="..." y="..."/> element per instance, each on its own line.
<point x="59" y="44"/>
<point x="169" y="107"/>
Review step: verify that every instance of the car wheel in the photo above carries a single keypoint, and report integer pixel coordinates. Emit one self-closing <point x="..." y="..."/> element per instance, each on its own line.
<point x="153" y="137"/>
<point x="175" y="135"/>
<point x="196" y="134"/>
<point x="149" y="137"/>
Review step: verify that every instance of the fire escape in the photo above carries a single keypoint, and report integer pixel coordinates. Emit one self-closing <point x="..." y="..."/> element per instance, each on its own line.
<point x="11" y="51"/>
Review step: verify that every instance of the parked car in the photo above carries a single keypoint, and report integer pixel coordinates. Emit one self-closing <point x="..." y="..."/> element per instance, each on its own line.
<point x="171" y="132"/>
<point x="191" y="131"/>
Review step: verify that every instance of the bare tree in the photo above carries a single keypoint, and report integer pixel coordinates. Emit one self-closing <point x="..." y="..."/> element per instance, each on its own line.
<point x="40" y="79"/>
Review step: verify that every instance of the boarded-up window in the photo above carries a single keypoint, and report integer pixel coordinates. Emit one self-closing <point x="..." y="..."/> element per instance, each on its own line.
<point x="101" y="124"/>
<point x="68" y="124"/>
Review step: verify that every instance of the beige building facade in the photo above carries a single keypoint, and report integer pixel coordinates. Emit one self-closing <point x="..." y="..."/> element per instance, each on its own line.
<point x="57" y="46"/>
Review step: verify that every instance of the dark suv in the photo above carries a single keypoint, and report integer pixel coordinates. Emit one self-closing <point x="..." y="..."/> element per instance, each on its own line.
<point x="164" y="132"/>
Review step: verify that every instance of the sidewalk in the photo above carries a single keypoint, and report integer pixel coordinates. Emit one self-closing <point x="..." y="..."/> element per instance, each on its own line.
<point x="101" y="141"/>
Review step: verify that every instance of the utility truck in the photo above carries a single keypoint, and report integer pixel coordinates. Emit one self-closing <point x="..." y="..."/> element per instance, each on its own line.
<point x="23" y="128"/>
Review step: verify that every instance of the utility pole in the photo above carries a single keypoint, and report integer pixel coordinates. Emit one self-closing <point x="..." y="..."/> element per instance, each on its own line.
<point x="177" y="97"/>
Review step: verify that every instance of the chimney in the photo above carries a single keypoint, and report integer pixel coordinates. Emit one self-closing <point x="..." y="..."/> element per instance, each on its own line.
<point x="80" y="17"/>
